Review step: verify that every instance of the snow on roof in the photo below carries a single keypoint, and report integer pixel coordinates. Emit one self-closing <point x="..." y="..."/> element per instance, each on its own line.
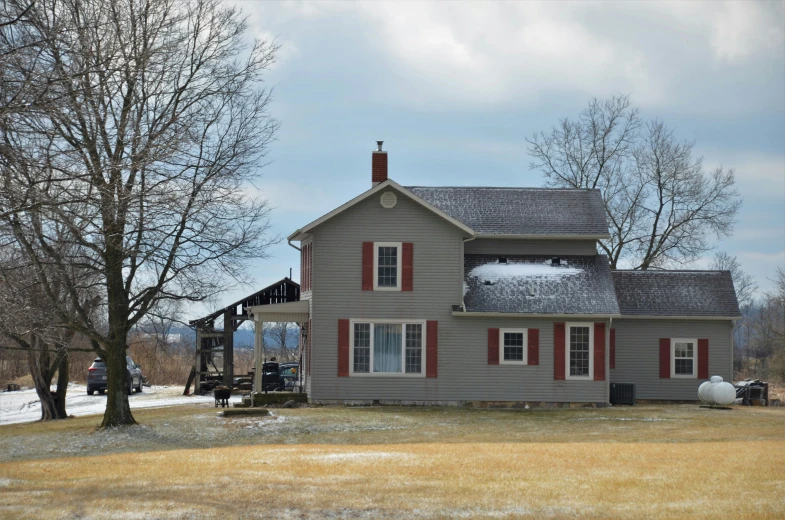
<point x="539" y="284"/>
<point x="498" y="272"/>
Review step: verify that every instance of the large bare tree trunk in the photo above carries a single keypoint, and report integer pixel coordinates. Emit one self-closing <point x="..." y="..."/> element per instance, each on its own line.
<point x="62" y="387"/>
<point x="42" y="372"/>
<point x="118" y="410"/>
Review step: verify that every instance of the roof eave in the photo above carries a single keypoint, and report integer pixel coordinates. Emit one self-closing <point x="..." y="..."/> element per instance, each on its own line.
<point x="543" y="236"/>
<point x="661" y="317"/>
<point x="479" y="314"/>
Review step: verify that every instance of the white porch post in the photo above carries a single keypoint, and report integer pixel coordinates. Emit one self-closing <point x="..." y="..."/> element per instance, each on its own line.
<point x="258" y="353"/>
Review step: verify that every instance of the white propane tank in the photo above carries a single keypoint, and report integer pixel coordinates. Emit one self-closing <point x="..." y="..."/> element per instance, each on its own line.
<point x="716" y="392"/>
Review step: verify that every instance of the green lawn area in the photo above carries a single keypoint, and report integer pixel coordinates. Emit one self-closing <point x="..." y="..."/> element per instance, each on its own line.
<point x="186" y="462"/>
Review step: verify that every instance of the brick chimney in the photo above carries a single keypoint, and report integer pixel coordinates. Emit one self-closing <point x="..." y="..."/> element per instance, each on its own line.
<point x="378" y="165"/>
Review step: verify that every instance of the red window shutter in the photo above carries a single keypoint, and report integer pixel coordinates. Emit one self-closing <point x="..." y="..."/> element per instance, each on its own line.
<point x="533" y="357"/>
<point x="367" y="266"/>
<point x="703" y="358"/>
<point x="407" y="266"/>
<point x="599" y="352"/>
<point x="343" y="347"/>
<point x="306" y="251"/>
<point x="310" y="262"/>
<point x="613" y="348"/>
<point x="665" y="358"/>
<point x="558" y="350"/>
<point x="493" y="346"/>
<point x="308" y="348"/>
<point x="431" y="348"/>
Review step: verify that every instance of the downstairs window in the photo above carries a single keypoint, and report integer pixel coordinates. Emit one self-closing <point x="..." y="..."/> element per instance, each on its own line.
<point x="580" y="345"/>
<point x="387" y="347"/>
<point x="684" y="360"/>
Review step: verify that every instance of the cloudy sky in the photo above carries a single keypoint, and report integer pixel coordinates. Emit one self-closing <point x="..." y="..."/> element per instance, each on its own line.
<point x="455" y="88"/>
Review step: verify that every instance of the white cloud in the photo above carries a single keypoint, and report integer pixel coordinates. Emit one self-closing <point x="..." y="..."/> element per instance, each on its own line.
<point x="740" y="29"/>
<point x="491" y="53"/>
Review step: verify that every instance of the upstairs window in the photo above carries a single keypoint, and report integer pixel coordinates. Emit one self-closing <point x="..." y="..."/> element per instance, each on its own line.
<point x="684" y="358"/>
<point x="387" y="266"/>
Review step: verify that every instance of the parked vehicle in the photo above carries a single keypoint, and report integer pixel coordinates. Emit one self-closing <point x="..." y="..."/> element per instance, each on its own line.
<point x="289" y="374"/>
<point x="96" y="376"/>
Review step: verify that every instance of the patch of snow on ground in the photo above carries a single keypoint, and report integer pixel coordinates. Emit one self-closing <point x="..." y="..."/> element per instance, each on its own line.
<point x="24" y="406"/>
<point x="358" y="457"/>
<point x="268" y="422"/>
<point x="494" y="272"/>
<point x="641" y="419"/>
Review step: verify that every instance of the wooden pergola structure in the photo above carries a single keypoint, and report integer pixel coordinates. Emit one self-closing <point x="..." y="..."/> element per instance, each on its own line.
<point x="210" y="342"/>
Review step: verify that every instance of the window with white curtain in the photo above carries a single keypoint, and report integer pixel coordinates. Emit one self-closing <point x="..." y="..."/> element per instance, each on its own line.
<point x="387" y="347"/>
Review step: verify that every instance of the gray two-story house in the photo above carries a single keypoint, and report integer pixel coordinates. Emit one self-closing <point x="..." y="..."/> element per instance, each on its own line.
<point x="462" y="294"/>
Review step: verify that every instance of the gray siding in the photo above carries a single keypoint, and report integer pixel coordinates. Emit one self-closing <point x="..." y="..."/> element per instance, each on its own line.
<point x="638" y="355"/>
<point x="463" y="370"/>
<point x="496" y="246"/>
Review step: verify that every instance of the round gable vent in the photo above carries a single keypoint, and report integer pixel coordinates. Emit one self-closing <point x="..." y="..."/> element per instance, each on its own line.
<point x="388" y="199"/>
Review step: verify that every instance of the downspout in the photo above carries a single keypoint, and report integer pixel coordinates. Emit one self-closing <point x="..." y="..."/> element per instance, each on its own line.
<point x="288" y="241"/>
<point x="463" y="281"/>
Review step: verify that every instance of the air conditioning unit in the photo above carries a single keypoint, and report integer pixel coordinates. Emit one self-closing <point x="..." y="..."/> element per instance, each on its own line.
<point x="623" y="393"/>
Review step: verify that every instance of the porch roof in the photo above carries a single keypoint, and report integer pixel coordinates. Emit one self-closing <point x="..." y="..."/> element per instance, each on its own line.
<point x="290" y="311"/>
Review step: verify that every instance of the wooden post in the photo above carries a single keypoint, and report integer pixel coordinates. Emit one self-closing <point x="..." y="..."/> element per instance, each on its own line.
<point x="198" y="361"/>
<point x="258" y="354"/>
<point x="228" y="349"/>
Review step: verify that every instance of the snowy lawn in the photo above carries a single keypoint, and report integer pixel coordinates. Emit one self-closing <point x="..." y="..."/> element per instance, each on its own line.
<point x="186" y="462"/>
<point x="24" y="406"/>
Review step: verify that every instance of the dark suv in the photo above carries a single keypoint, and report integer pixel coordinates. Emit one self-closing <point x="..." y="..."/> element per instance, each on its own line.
<point x="96" y="376"/>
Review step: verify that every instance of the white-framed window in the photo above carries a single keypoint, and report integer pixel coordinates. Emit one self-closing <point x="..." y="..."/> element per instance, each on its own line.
<point x="579" y="351"/>
<point x="387" y="266"/>
<point x="684" y="358"/>
<point x="513" y="346"/>
<point x="387" y="348"/>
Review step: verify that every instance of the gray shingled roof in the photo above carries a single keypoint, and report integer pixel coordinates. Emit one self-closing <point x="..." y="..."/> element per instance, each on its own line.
<point x="521" y="211"/>
<point x="528" y="284"/>
<point x="676" y="293"/>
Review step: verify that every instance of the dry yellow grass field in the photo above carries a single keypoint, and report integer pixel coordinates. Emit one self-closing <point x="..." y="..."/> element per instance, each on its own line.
<point x="642" y="462"/>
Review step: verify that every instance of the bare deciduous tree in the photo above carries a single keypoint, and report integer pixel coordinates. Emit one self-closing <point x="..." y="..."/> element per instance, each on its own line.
<point x="28" y="321"/>
<point x="766" y="345"/>
<point x="660" y="203"/>
<point x="150" y="121"/>
<point x="743" y="282"/>
<point x="283" y="336"/>
<point x="745" y="287"/>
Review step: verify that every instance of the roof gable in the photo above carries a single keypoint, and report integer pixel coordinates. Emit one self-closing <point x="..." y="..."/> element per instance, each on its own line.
<point x="297" y="235"/>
